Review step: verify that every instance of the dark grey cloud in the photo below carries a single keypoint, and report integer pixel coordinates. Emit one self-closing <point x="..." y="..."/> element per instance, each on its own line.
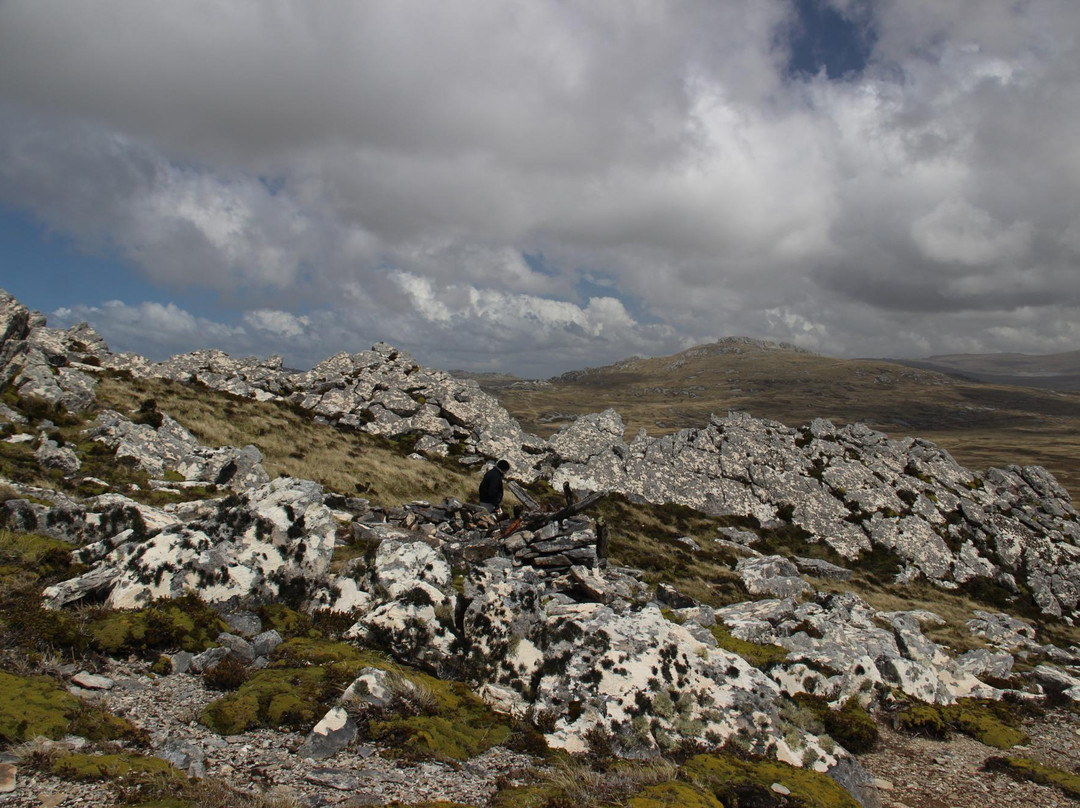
<point x="379" y="171"/>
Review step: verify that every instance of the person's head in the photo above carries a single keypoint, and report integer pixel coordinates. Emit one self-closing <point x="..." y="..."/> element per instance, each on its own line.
<point x="503" y="466"/>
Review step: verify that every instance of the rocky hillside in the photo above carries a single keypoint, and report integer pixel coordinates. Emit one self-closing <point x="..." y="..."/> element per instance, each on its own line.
<point x="981" y="424"/>
<point x="740" y="604"/>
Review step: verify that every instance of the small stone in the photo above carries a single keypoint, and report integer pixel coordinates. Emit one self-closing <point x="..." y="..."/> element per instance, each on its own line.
<point x="181" y="661"/>
<point x="246" y="624"/>
<point x="91" y="681"/>
<point x="332" y="734"/>
<point x="240" y="648"/>
<point x="334" y="778"/>
<point x="7" y="778"/>
<point x="882" y="784"/>
<point x="205" y="661"/>
<point x="781" y="789"/>
<point x="264" y="644"/>
<point x="185" y="756"/>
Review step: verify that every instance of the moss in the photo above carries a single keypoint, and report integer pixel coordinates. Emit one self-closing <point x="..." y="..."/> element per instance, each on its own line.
<point x="760" y="656"/>
<point x="673" y="793"/>
<point x="461" y="727"/>
<point x="48" y="556"/>
<point x="851" y="726"/>
<point x="133" y="768"/>
<point x="671" y="617"/>
<point x="532" y="796"/>
<point x="30" y="707"/>
<point x="97" y="724"/>
<point x="285" y="621"/>
<point x="438" y="737"/>
<point x="990" y="722"/>
<point x="1020" y="768"/>
<point x="306" y="677"/>
<point x="739" y="781"/>
<point x="33" y="707"/>
<point x="185" y="623"/>
<point x="277" y="697"/>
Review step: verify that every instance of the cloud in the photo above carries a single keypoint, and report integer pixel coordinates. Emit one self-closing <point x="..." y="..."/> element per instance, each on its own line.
<point x="956" y="232"/>
<point x="356" y="172"/>
<point x="150" y="329"/>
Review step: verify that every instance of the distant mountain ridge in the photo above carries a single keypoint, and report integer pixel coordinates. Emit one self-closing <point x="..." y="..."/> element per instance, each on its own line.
<point x="722" y="347"/>
<point x="1060" y="371"/>
<point x="988" y="421"/>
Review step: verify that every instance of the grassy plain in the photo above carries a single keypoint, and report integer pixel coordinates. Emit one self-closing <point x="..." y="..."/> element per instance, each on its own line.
<point x="979" y="424"/>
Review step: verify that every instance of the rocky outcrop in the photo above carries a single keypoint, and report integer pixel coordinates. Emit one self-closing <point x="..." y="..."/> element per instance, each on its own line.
<point x="383" y="391"/>
<point x="44" y="363"/>
<point x="272" y="543"/>
<point x="838" y="647"/>
<point x="852" y="489"/>
<point x="170" y="447"/>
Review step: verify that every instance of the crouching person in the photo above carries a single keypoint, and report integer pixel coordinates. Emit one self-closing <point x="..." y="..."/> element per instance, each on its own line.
<point x="491" y="488"/>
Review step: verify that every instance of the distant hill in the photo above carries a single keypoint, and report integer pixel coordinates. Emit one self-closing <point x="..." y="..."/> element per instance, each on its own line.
<point x="1059" y="371"/>
<point x="981" y="423"/>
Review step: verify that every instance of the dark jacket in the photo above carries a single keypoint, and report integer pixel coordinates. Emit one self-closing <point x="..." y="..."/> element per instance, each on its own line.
<point x="491" y="487"/>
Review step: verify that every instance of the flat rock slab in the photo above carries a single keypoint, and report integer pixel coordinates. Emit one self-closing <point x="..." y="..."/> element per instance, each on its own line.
<point x="91" y="681"/>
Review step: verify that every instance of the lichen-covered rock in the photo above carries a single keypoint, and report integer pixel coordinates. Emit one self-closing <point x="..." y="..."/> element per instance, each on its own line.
<point x="772" y="575"/>
<point x="275" y="542"/>
<point x="51" y="455"/>
<point x="38" y="361"/>
<point x="843" y="640"/>
<point x="851" y="488"/>
<point x="171" y="447"/>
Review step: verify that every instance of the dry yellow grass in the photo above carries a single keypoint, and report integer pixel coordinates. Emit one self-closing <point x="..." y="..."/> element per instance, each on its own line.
<point x="350" y="463"/>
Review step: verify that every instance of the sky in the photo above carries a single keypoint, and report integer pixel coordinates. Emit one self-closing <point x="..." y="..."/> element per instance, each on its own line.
<point x="535" y="186"/>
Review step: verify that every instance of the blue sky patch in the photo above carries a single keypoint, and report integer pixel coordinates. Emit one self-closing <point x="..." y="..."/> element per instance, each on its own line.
<point x="824" y="39"/>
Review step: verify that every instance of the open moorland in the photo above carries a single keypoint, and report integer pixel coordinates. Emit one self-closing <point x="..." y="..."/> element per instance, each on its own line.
<point x="981" y="424"/>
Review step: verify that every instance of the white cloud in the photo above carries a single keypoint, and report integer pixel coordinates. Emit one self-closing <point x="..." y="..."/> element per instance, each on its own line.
<point x="955" y="231"/>
<point x="386" y="166"/>
<point x="276" y="323"/>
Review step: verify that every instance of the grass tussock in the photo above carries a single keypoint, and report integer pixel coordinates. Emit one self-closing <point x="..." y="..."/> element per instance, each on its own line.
<point x="644" y="536"/>
<point x="350" y="463"/>
<point x="575" y="783"/>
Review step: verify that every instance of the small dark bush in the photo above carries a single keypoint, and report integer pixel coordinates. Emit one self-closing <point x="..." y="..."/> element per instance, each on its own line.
<point x="228" y="674"/>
